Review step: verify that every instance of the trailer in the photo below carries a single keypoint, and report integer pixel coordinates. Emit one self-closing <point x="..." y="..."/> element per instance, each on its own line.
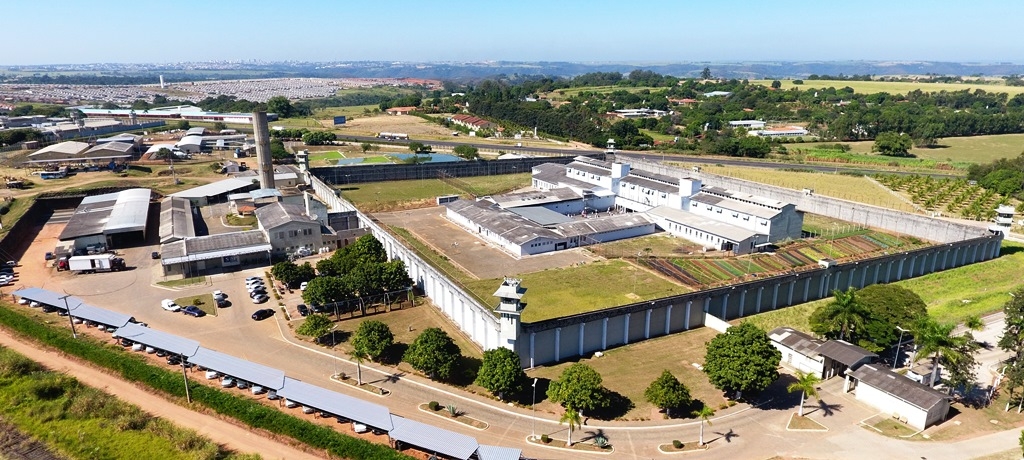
<point x="393" y="136"/>
<point x="92" y="264"/>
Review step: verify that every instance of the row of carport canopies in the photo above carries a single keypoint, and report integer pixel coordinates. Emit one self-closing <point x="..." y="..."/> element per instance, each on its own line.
<point x="401" y="430"/>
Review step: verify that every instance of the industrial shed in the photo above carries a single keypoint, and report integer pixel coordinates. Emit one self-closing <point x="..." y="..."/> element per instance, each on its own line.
<point x="225" y="251"/>
<point x="111" y="220"/>
<point x="215" y="192"/>
<point x="176" y="220"/>
<point x="59" y="152"/>
<point x="341" y="405"/>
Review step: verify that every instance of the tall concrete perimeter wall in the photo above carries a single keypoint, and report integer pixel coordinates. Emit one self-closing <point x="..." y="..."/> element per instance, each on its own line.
<point x="562" y="338"/>
<point x="341" y="175"/>
<point x="473" y="319"/>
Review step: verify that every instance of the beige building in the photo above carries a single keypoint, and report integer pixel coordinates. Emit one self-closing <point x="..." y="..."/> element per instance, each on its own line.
<point x="289" y="229"/>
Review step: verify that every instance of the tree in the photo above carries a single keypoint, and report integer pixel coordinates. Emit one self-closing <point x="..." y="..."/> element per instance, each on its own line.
<point x="704" y="414"/>
<point x="184" y="125"/>
<point x="277" y="150"/>
<point x="892" y="144"/>
<point x="419" y="147"/>
<point x="316" y="325"/>
<point x="572" y="418"/>
<point x="220" y="126"/>
<point x="843" y="315"/>
<point x="937" y="339"/>
<point x="886" y="307"/>
<point x="433" y="353"/>
<point x="742" y="359"/>
<point x="667" y="393"/>
<point x="358" y="356"/>
<point x="373" y="338"/>
<point x="324" y="290"/>
<point x="579" y="387"/>
<point x="806" y="384"/>
<point x="1013" y="329"/>
<point x="466" y="151"/>
<point x="164" y="153"/>
<point x="705" y="74"/>
<point x="776" y="84"/>
<point x="501" y="372"/>
<point x="366" y="146"/>
<point x="292" y="274"/>
<point x="280" y="105"/>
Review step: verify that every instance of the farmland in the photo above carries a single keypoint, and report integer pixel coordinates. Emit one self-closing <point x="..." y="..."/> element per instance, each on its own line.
<point x="974" y="149"/>
<point x="954" y="197"/>
<point x="871" y="87"/>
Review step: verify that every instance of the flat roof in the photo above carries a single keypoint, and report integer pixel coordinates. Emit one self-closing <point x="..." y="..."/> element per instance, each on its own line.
<point x="220" y="187"/>
<point x="264" y="193"/>
<point x="704" y="224"/>
<point x="78" y="308"/>
<point x="536" y="197"/>
<point x="432" y="438"/>
<point x="214" y="246"/>
<point x="594" y="225"/>
<point x="116" y="147"/>
<point x="158" y="339"/>
<point x="335" y="403"/>
<point x="541" y="215"/>
<point x="249" y="371"/>
<point x="109" y="213"/>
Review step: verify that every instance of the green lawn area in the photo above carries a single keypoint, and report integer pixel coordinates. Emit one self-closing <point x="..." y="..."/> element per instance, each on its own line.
<point x="376" y="159"/>
<point x="870" y="87"/>
<point x="183" y="281"/>
<point x="974" y="149"/>
<point x="240" y="221"/>
<point x="383" y="195"/>
<point x="853" y="188"/>
<point x="568" y="291"/>
<point x="318" y="156"/>
<point x="206" y="303"/>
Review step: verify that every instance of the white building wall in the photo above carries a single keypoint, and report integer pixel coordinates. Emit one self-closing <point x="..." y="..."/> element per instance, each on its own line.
<point x="289" y="237"/>
<point x="703" y="238"/>
<point x="798" y="361"/>
<point x="889" y="405"/>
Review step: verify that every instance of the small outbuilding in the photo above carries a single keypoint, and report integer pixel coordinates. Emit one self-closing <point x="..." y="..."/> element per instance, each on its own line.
<point x="906" y="400"/>
<point x="799" y="350"/>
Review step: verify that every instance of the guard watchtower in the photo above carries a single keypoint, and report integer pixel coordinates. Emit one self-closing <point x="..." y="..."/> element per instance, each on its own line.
<point x="510" y="307"/>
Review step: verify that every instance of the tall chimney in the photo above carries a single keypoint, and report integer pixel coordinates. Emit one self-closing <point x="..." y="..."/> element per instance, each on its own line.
<point x="162" y="82"/>
<point x="262" y="134"/>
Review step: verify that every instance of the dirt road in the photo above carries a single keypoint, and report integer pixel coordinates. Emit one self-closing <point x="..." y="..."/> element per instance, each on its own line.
<point x="224" y="433"/>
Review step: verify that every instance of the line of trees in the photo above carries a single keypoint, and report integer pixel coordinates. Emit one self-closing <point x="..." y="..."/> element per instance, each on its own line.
<point x="357" y="271"/>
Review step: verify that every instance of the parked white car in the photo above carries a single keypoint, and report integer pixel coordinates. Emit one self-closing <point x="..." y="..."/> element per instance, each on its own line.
<point x="169" y="305"/>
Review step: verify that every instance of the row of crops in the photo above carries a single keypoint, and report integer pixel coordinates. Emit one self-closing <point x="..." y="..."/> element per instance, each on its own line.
<point x="704" y="272"/>
<point x="958" y="197"/>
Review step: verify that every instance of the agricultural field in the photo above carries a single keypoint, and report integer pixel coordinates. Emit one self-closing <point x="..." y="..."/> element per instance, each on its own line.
<point x="952" y="150"/>
<point x="871" y="87"/>
<point x="567" y="93"/>
<point x="568" y="291"/>
<point x="874" y="160"/>
<point x="951" y="197"/>
<point x="847" y="187"/>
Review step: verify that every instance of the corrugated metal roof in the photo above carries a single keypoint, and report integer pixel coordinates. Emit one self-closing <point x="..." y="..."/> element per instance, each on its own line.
<point x="215" y="188"/>
<point x="176" y="220"/>
<point x="129" y="212"/>
<point x="796" y="340"/>
<point x="899" y="387"/>
<point x="124" y="211"/>
<point x="346" y="406"/>
<point x="214" y="246"/>
<point x="704" y="224"/>
<point x="604" y="224"/>
<point x="734" y="205"/>
<point x="158" y="339"/>
<point x="64" y="148"/>
<point x="115" y="147"/>
<point x="277" y="214"/>
<point x="541" y="215"/>
<point x="844" y="352"/>
<point x="190" y="140"/>
<point x="249" y="371"/>
<point x="485" y="452"/>
<point x="433" y="439"/>
<point x="79" y="309"/>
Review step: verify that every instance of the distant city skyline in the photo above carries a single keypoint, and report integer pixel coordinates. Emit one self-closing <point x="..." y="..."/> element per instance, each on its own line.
<point x="123" y="31"/>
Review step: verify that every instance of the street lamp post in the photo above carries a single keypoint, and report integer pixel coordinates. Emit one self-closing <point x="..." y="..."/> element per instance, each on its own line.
<point x="533" y="430"/>
<point x="899" y="344"/>
<point x="70" y="319"/>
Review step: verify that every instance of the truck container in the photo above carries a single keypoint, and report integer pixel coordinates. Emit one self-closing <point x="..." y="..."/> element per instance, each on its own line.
<point x="93" y="263"/>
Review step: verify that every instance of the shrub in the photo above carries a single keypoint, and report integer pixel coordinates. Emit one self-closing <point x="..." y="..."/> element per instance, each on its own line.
<point x="677" y="444"/>
<point x="545" y="439"/>
<point x="434" y="405"/>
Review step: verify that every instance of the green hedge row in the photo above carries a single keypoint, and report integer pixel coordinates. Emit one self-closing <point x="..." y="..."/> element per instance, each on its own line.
<point x="135" y="368"/>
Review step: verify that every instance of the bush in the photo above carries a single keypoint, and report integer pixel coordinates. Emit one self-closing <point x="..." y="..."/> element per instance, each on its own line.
<point x="677" y="444"/>
<point x="545" y="439"/>
<point x="434" y="405"/>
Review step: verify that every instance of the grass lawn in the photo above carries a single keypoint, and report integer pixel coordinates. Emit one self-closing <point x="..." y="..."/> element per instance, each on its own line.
<point x="974" y="149"/>
<point x="853" y="188"/>
<point x="892" y="428"/>
<point x="380" y="196"/>
<point x="205" y="303"/>
<point x="870" y="87"/>
<point x="240" y="221"/>
<point x="568" y="291"/>
<point x="628" y="371"/>
<point x="183" y="282"/>
<point x="660" y="245"/>
<point x="319" y="157"/>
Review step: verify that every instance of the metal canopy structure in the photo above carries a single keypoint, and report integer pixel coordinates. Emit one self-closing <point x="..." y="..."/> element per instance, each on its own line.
<point x="78" y="308"/>
<point x="157" y="339"/>
<point x="433" y="439"/>
<point x="345" y="406"/>
<point x="267" y="377"/>
<point x="498" y="453"/>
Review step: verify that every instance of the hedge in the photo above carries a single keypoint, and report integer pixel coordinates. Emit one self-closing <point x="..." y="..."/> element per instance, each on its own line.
<point x="134" y="368"/>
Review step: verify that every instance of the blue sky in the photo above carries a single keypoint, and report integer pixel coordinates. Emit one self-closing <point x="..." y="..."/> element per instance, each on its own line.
<point x="90" y="31"/>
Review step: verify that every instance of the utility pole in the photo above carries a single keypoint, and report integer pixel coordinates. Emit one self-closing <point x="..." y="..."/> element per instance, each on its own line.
<point x="184" y="374"/>
<point x="71" y="320"/>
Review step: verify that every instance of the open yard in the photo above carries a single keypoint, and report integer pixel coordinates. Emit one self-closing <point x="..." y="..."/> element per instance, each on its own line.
<point x="870" y="87"/>
<point x="409" y="194"/>
<point x="567" y="291"/>
<point x="620" y="368"/>
<point x="852" y="188"/>
<point x="408" y="124"/>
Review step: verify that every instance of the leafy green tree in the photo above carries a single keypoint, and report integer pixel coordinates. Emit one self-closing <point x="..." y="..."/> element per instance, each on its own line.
<point x="164" y="153"/>
<point x="433" y="353"/>
<point x="742" y="359"/>
<point x="324" y="290"/>
<point x="842" y="315"/>
<point x="573" y="419"/>
<point x="220" y="126"/>
<point x="753" y="147"/>
<point x="579" y="387"/>
<point x="957" y="351"/>
<point x="806" y="384"/>
<point x="1013" y="328"/>
<point x="705" y="75"/>
<point x="292" y="274"/>
<point x="373" y="338"/>
<point x="366" y="146"/>
<point x="886" y="306"/>
<point x="667" y="393"/>
<point x="466" y="151"/>
<point x="280" y="105"/>
<point x="501" y="372"/>
<point x="892" y="144"/>
<point x="184" y="125"/>
<point x="277" y="150"/>
<point x="419" y="147"/>
<point x="318" y="138"/>
<point x="704" y="414"/>
<point x="776" y="84"/>
<point x="316" y="325"/>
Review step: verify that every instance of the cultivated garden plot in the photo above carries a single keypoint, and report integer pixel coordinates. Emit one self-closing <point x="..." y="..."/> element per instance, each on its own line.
<point x="951" y="197"/>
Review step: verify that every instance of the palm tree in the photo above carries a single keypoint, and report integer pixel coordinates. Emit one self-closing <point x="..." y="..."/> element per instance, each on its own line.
<point x="937" y="339"/>
<point x="358" y="356"/>
<point x="805" y="384"/>
<point x="573" y="419"/>
<point x="704" y="414"/>
<point x="846" y="312"/>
